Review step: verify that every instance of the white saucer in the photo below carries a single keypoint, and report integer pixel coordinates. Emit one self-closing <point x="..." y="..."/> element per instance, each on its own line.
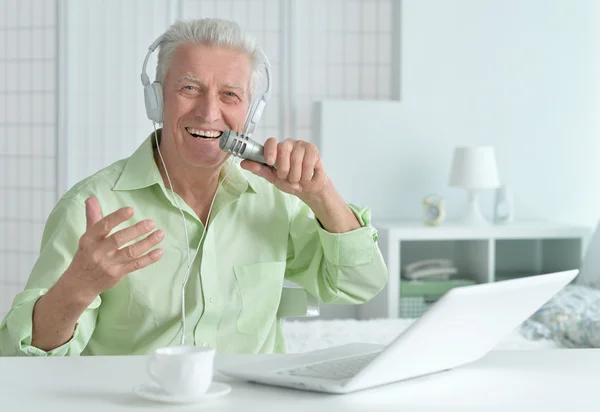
<point x="154" y="392"/>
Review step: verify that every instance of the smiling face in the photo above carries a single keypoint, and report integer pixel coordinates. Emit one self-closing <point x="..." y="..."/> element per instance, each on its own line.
<point x="206" y="91"/>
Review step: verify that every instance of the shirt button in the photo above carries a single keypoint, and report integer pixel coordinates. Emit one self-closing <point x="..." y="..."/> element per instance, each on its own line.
<point x="212" y="299"/>
<point x="205" y="344"/>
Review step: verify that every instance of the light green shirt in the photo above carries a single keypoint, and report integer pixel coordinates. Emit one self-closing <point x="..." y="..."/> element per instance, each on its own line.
<point x="257" y="237"/>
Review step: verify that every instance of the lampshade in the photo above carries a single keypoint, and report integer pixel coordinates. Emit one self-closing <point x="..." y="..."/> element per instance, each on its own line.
<point x="474" y="168"/>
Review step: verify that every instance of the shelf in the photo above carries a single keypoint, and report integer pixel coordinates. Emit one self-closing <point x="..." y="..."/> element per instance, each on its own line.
<point x="500" y="276"/>
<point x="420" y="288"/>
<point x="414" y="230"/>
<point x="481" y="254"/>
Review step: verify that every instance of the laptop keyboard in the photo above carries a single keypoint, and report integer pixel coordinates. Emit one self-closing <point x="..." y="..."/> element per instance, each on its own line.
<point x="336" y="369"/>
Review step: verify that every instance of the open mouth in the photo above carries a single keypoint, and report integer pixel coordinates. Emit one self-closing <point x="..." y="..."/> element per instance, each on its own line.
<point x="204" y="134"/>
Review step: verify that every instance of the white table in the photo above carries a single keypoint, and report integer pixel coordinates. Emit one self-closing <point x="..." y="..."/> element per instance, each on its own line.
<point x="564" y="379"/>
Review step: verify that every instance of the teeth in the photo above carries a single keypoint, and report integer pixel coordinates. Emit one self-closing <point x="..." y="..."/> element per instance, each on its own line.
<point x="204" y="133"/>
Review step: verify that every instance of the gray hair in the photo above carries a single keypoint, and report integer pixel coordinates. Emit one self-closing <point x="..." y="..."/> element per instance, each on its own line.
<point x="210" y="32"/>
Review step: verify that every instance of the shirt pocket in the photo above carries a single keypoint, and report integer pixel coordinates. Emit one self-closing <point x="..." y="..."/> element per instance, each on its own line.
<point x="260" y="286"/>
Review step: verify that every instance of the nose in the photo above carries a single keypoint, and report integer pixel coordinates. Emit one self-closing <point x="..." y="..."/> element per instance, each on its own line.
<point x="208" y="108"/>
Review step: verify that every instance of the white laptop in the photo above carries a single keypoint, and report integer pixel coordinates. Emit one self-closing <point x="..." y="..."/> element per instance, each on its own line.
<point x="461" y="327"/>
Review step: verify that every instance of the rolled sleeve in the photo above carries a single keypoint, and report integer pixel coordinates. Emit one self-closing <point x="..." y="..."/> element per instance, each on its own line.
<point x="64" y="227"/>
<point x="351" y="248"/>
<point x="336" y="267"/>
<point x="18" y="324"/>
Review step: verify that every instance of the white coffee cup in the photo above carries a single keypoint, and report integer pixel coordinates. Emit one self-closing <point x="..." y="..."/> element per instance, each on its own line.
<point x="182" y="370"/>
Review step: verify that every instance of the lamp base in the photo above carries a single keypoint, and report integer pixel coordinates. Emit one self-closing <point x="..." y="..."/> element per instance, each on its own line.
<point x="474" y="216"/>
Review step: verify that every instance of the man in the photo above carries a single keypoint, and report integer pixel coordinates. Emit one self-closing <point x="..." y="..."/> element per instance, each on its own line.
<point x="113" y="260"/>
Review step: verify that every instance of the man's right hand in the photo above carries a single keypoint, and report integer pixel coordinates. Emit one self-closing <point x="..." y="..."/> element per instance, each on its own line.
<point x="101" y="261"/>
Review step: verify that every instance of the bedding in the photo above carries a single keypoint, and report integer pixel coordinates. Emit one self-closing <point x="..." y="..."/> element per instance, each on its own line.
<point x="571" y="318"/>
<point x="312" y="334"/>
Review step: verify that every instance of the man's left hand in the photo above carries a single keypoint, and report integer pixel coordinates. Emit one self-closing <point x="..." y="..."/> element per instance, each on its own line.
<point x="298" y="168"/>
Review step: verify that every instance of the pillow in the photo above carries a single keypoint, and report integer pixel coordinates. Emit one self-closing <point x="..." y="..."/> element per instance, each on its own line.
<point x="571" y="317"/>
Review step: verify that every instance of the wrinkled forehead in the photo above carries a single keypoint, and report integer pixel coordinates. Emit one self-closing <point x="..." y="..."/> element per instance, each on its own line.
<point x="211" y="65"/>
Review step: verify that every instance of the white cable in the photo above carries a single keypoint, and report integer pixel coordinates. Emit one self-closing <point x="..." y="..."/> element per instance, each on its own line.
<point x="187" y="274"/>
<point x="190" y="262"/>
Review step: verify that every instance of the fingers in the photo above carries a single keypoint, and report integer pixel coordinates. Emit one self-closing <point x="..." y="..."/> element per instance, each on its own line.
<point x="298" y="163"/>
<point x="137" y="249"/>
<point x="93" y="213"/>
<point x="118" y="239"/>
<point x="309" y="163"/>
<point x="102" y="228"/>
<point x="143" y="261"/>
<point x="296" y="160"/>
<point x="284" y="150"/>
<point x="270" y="151"/>
<point x="266" y="172"/>
<point x="319" y="176"/>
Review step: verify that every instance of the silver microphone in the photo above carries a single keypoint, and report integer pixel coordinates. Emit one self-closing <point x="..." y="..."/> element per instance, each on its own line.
<point x="242" y="146"/>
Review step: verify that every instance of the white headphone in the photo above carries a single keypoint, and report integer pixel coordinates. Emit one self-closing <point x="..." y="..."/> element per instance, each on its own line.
<point x="153" y="94"/>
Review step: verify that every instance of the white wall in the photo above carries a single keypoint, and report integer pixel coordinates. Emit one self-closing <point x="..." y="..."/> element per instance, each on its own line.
<point x="105" y="45"/>
<point x="523" y="76"/>
<point x="28" y="152"/>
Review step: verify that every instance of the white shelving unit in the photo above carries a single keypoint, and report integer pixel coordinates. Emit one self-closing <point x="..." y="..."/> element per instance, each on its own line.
<point x="484" y="254"/>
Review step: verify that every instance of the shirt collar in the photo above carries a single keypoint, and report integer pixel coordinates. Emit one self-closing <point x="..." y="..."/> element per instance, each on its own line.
<point x="141" y="171"/>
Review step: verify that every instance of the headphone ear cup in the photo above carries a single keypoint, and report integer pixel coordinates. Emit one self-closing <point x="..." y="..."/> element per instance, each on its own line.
<point x="154" y="102"/>
<point x="158" y="91"/>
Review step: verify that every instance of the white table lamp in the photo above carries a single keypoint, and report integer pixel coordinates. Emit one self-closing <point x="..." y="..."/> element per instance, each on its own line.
<point x="473" y="169"/>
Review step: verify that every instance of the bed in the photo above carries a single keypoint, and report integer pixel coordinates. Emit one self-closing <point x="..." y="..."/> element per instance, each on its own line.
<point x="313" y="334"/>
<point x="571" y="319"/>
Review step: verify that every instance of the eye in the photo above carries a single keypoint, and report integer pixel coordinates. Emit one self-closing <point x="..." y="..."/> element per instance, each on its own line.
<point x="230" y="94"/>
<point x="189" y="87"/>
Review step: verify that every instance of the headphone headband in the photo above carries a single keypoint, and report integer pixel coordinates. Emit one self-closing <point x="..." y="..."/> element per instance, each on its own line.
<point x="153" y="46"/>
<point x="258" y="105"/>
<point x="154" y="99"/>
